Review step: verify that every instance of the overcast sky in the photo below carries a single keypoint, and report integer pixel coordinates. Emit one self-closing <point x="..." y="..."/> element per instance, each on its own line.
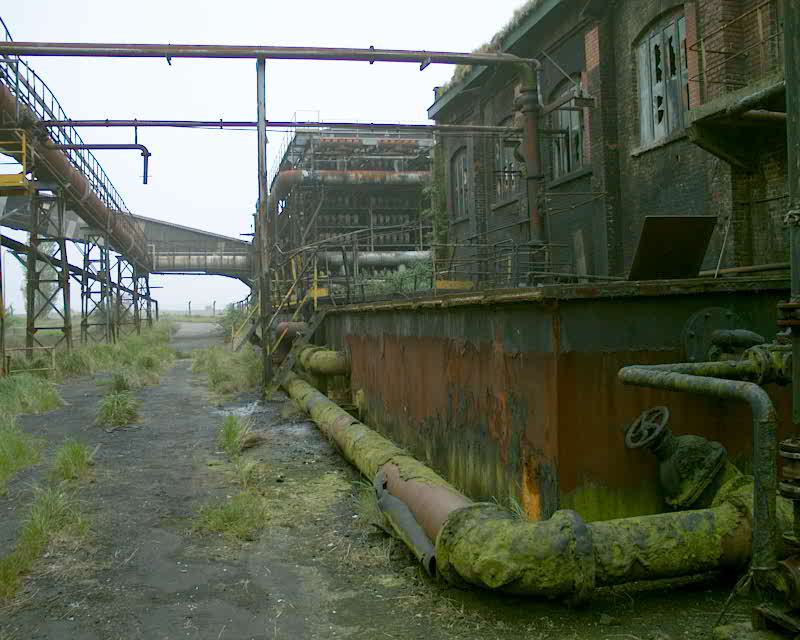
<point x="207" y="179"/>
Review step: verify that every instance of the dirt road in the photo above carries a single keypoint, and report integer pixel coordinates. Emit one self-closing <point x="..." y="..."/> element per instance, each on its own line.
<point x="318" y="570"/>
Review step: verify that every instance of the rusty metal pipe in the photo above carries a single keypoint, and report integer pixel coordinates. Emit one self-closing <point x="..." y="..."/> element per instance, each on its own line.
<point x="765" y="442"/>
<point x="485" y="545"/>
<point x="288" y="178"/>
<point x="168" y="51"/>
<point x="78" y="190"/>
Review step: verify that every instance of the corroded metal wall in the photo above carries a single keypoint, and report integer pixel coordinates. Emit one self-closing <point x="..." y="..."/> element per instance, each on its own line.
<point x="522" y="400"/>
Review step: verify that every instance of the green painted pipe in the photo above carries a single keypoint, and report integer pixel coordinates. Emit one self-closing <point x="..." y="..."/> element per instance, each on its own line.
<point x="324" y="362"/>
<point x="485" y="545"/>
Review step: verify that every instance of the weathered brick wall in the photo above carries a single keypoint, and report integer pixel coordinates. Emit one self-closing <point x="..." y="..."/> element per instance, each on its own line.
<point x="673" y="176"/>
<point x="760" y="204"/>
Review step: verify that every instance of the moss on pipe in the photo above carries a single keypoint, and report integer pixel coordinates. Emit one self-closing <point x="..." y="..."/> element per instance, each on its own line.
<point x="324" y="362"/>
<point x="484" y="545"/>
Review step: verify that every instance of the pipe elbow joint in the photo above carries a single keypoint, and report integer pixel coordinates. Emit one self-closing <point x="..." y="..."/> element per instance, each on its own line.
<point x="484" y="545"/>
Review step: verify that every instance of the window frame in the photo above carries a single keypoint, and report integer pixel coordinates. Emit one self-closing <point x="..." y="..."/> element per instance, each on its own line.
<point x="567" y="153"/>
<point x="662" y="72"/>
<point x="459" y="183"/>
<point x="508" y="170"/>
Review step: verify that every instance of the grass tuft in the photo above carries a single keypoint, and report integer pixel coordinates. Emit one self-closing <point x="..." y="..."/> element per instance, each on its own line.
<point x="53" y="513"/>
<point x="246" y="472"/>
<point x="72" y="462"/>
<point x="241" y="517"/>
<point x="232" y="436"/>
<point x="18" y="450"/>
<point x="26" y="393"/>
<point x="118" y="409"/>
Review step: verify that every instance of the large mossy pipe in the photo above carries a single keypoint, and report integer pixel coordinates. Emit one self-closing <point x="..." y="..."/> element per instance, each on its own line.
<point x="485" y="545"/>
<point x="692" y="379"/>
<point x="324" y="362"/>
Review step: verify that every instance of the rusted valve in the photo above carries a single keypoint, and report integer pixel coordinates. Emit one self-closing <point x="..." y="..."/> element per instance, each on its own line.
<point x="687" y="464"/>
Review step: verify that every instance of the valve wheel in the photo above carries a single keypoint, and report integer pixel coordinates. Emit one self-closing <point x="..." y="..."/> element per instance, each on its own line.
<point x="648" y="426"/>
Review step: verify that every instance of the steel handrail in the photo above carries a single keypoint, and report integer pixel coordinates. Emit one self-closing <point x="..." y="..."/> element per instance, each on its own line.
<point x="30" y="89"/>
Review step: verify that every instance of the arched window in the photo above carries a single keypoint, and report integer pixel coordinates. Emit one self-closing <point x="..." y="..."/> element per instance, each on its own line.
<point x="459" y="183"/>
<point x="663" y="69"/>
<point x="568" y="122"/>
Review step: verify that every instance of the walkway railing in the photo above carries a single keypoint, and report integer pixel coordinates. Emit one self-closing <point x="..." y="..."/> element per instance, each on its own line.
<point x="31" y="91"/>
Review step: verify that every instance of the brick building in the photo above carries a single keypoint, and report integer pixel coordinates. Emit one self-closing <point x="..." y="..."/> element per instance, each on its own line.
<point x="649" y="107"/>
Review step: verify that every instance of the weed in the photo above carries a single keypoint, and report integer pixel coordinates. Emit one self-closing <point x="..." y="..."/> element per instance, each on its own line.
<point x="120" y="382"/>
<point x="232" y="436"/>
<point x="514" y="506"/>
<point x="72" y="461"/>
<point x="17" y="450"/>
<point x="117" y="409"/>
<point x="241" y="517"/>
<point x="246" y="472"/>
<point x="229" y="372"/>
<point x="26" y="393"/>
<point x="53" y="513"/>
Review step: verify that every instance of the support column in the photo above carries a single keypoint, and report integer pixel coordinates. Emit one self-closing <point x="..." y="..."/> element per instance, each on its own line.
<point x="792" y="71"/>
<point x="48" y="274"/>
<point x="264" y="228"/>
<point x="128" y="318"/>
<point x="97" y="292"/>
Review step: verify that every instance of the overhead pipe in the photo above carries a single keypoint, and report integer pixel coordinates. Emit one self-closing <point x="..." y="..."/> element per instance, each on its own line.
<point x="376" y="258"/>
<point x="105" y="146"/>
<point x="77" y="188"/>
<point x="485" y="545"/>
<point x="529" y="103"/>
<point x="169" y="51"/>
<point x="288" y="178"/>
<point x="376" y="127"/>
<point x="719" y="380"/>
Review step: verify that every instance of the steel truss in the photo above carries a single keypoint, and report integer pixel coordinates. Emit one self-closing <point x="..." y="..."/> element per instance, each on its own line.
<point x="97" y="290"/>
<point x="48" y="281"/>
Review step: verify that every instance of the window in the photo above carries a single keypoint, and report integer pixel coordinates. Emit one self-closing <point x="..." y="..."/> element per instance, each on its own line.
<point x="459" y="184"/>
<point x="567" y="147"/>
<point x="507" y="165"/>
<point x="663" y="80"/>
